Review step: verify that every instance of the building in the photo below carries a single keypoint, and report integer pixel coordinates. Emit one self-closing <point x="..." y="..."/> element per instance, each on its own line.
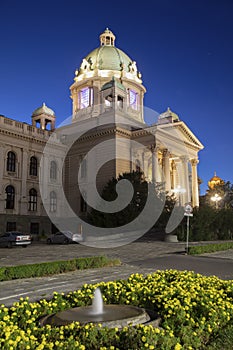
<point x="108" y="118"/>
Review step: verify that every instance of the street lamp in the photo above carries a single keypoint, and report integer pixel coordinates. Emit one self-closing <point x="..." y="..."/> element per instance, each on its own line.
<point x="178" y="190"/>
<point x="216" y="198"/>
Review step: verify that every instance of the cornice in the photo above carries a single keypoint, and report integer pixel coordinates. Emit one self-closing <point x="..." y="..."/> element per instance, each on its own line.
<point x="22" y="136"/>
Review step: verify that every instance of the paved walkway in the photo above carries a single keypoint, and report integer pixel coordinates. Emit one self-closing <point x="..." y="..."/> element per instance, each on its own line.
<point x="141" y="257"/>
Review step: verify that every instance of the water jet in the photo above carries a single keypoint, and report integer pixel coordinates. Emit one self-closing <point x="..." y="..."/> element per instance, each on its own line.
<point x="112" y="315"/>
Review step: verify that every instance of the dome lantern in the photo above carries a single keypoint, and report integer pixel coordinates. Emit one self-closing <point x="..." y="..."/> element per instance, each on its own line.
<point x="107" y="38"/>
<point x="43" y="117"/>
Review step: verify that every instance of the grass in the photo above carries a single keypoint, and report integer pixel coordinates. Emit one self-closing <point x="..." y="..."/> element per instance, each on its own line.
<point x="210" y="248"/>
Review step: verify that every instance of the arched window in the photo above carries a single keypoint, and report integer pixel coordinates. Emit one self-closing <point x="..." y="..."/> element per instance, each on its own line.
<point x="32" y="200"/>
<point x="53" y="201"/>
<point x="53" y="170"/>
<point x="11" y="161"/>
<point x="33" y="166"/>
<point x="10" y="197"/>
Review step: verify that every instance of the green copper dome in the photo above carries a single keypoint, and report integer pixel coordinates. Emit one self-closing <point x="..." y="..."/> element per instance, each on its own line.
<point x="109" y="58"/>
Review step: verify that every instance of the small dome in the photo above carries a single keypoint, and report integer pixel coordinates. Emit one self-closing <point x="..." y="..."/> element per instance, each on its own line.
<point x="43" y="110"/>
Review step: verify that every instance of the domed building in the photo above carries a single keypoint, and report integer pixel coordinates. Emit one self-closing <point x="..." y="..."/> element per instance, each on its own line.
<point x="108" y="85"/>
<point x="108" y="136"/>
<point x="215" y="181"/>
<point x="101" y="70"/>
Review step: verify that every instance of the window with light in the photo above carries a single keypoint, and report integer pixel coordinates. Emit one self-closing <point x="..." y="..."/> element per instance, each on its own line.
<point x="85" y="97"/>
<point x="133" y="97"/>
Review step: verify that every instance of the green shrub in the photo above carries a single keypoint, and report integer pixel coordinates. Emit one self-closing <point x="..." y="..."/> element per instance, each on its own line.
<point x="55" y="267"/>
<point x="210" y="248"/>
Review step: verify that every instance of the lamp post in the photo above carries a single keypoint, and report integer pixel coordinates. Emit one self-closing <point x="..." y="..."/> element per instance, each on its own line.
<point x="178" y="190"/>
<point x="216" y="198"/>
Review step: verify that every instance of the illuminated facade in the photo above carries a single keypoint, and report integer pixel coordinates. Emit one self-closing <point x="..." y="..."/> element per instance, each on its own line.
<point x="107" y="84"/>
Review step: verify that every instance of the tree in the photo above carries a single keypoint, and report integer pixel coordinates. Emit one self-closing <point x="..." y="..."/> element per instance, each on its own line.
<point x="224" y="190"/>
<point x="131" y="211"/>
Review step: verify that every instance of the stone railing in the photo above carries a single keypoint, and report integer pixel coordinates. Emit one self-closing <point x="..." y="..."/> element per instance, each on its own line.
<point x="23" y="128"/>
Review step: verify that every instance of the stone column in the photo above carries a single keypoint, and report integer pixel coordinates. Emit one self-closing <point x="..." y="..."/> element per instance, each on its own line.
<point x="185" y="179"/>
<point x="145" y="164"/>
<point x="155" y="164"/>
<point x="166" y="170"/>
<point x="174" y="179"/>
<point x="195" y="192"/>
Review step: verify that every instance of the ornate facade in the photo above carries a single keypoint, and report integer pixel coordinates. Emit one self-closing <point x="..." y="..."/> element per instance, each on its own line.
<point x="107" y="97"/>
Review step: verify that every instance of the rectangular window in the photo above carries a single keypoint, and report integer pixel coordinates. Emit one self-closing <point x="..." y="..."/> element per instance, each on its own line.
<point x="85" y="97"/>
<point x="133" y="99"/>
<point x="10" y="226"/>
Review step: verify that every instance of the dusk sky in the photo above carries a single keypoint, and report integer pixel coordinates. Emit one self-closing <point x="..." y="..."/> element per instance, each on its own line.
<point x="183" y="48"/>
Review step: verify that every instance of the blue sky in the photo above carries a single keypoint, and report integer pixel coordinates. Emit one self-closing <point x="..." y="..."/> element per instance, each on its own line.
<point x="182" y="48"/>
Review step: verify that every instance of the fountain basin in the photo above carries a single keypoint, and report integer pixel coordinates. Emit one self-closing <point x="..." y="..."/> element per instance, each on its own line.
<point x="113" y="316"/>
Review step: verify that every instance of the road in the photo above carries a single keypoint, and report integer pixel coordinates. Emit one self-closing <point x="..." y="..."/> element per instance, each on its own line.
<point x="141" y="257"/>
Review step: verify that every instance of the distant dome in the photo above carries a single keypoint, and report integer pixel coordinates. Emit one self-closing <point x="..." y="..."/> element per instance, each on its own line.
<point x="43" y="110"/>
<point x="215" y="181"/>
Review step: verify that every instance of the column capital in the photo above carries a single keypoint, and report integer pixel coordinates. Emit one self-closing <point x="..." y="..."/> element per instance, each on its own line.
<point x="194" y="161"/>
<point x="165" y="152"/>
<point x="153" y="148"/>
<point x="184" y="159"/>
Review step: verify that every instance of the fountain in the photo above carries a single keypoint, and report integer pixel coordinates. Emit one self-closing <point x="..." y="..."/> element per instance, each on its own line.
<point x="108" y="315"/>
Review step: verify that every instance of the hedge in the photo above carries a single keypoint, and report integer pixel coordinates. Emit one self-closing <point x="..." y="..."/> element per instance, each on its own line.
<point x="54" y="267"/>
<point x="210" y="248"/>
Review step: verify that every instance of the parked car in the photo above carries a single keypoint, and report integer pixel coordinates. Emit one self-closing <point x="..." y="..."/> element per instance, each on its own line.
<point x="64" y="237"/>
<point x="15" y="238"/>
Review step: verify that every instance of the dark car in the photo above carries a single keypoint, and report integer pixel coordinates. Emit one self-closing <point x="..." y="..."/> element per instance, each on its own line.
<point x="64" y="237"/>
<point x="14" y="238"/>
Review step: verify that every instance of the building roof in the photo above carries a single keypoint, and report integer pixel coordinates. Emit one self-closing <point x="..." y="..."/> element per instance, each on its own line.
<point x="108" y="57"/>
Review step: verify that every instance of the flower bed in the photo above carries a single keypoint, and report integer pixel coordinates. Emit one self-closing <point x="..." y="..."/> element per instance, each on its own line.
<point x="194" y="309"/>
